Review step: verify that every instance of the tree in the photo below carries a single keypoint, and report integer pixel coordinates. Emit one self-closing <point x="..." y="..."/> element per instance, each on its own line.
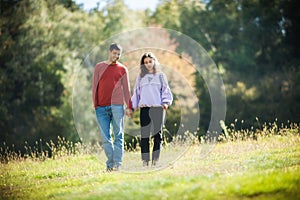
<point x="32" y="60"/>
<point x="254" y="46"/>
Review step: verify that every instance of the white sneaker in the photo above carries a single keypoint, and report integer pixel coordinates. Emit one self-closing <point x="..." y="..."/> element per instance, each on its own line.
<point x="145" y="163"/>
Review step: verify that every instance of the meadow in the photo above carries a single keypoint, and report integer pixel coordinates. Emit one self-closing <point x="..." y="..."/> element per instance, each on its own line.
<point x="266" y="166"/>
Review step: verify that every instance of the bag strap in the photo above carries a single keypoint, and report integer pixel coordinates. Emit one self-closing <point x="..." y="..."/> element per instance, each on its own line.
<point x="161" y="81"/>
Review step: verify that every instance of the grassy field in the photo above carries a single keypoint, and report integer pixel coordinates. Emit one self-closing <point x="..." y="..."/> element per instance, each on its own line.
<point x="266" y="168"/>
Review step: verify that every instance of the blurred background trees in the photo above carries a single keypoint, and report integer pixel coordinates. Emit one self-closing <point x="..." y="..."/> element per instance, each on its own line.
<point x="255" y="45"/>
<point x="250" y="42"/>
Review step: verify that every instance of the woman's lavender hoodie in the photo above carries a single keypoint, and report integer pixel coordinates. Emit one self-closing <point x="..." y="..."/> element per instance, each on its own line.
<point x="151" y="91"/>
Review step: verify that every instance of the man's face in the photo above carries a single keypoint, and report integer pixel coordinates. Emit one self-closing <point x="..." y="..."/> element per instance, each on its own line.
<point x="114" y="55"/>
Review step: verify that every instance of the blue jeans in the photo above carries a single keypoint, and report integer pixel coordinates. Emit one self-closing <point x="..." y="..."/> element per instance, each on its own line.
<point x="113" y="147"/>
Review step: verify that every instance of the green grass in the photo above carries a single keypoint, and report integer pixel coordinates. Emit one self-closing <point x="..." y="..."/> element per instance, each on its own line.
<point x="267" y="168"/>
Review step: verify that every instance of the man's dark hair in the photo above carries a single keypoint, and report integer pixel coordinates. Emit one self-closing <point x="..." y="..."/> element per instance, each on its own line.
<point x="115" y="46"/>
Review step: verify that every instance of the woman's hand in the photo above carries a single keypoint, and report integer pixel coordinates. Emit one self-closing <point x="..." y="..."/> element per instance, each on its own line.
<point x="165" y="106"/>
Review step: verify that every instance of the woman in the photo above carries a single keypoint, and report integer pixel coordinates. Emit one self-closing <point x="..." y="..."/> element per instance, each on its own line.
<point x="153" y="96"/>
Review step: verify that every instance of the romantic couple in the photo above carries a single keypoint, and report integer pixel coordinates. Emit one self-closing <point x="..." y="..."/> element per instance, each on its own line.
<point x="152" y="95"/>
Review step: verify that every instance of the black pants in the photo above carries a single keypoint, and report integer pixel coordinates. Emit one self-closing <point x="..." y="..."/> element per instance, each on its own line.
<point x="151" y="117"/>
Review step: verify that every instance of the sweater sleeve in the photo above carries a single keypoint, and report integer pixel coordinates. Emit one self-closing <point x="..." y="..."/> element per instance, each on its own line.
<point x="136" y="94"/>
<point x="166" y="94"/>
<point x="126" y="89"/>
<point x="94" y="85"/>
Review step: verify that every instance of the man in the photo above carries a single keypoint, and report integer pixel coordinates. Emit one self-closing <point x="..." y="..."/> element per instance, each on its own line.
<point x="110" y="88"/>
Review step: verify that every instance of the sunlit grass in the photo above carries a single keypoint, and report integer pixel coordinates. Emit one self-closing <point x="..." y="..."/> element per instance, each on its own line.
<point x="267" y="167"/>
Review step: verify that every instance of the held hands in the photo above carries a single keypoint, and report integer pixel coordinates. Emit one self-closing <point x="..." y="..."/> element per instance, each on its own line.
<point x="129" y="112"/>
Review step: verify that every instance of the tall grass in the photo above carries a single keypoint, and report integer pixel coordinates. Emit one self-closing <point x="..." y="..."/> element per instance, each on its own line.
<point x="61" y="148"/>
<point x="265" y="130"/>
<point x="243" y="164"/>
<point x="48" y="150"/>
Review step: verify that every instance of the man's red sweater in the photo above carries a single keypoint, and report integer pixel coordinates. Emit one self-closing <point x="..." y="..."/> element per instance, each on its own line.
<point x="111" y="85"/>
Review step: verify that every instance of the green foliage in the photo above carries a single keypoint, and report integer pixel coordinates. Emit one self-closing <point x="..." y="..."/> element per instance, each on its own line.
<point x="33" y="71"/>
<point x="167" y="14"/>
<point x="43" y="44"/>
<point x="250" y="41"/>
<point x="31" y="80"/>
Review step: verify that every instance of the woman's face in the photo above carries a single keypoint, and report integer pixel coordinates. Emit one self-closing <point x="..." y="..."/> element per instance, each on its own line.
<point x="149" y="63"/>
